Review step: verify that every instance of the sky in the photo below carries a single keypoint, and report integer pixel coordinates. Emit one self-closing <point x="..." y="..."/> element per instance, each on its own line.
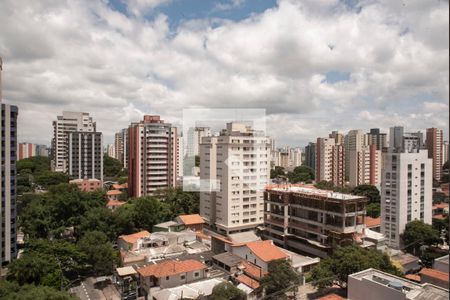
<point x="313" y="65"/>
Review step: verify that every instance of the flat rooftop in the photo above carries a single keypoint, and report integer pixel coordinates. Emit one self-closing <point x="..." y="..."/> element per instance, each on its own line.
<point x="443" y="259"/>
<point x="310" y="190"/>
<point x="412" y="290"/>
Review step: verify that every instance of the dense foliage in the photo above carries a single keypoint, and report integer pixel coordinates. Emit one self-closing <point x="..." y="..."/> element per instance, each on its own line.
<point x="14" y="291"/>
<point x="281" y="276"/>
<point x="277" y="172"/>
<point x="112" y="167"/>
<point x="348" y="260"/>
<point x="417" y="234"/>
<point x="227" y="291"/>
<point x="28" y="169"/>
<point x="301" y="174"/>
<point x="326" y="185"/>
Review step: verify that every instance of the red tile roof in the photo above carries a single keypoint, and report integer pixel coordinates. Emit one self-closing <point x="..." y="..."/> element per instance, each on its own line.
<point x="372" y="222"/>
<point x="331" y="297"/>
<point x="413" y="277"/>
<point x="434" y="274"/>
<point x="253" y="270"/>
<point x="171" y="267"/>
<point x="439" y="217"/>
<point x="440" y="206"/>
<point x="112" y="203"/>
<point x="248" y="281"/>
<point x="132" y="238"/>
<point x="266" y="251"/>
<point x="191" y="219"/>
<point x="113" y="192"/>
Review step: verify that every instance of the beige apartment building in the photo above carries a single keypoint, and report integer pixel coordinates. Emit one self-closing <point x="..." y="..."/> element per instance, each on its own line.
<point x="330" y="161"/>
<point x="434" y="143"/>
<point x="234" y="170"/>
<point x="365" y="166"/>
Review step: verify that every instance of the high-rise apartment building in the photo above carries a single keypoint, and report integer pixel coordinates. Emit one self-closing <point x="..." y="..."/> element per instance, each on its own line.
<point x="239" y="158"/>
<point x="121" y="147"/>
<point x="195" y="136"/>
<point x="400" y="141"/>
<point x="365" y="166"/>
<point x="377" y="138"/>
<point x="85" y="155"/>
<point x="8" y="212"/>
<point x="355" y="140"/>
<point x="445" y="153"/>
<point x="310" y="155"/>
<point x="68" y="122"/>
<point x="152" y="156"/>
<point x="434" y="143"/>
<point x="110" y="150"/>
<point x="180" y="157"/>
<point x="26" y="150"/>
<point x="330" y="161"/>
<point x="406" y="189"/>
<point x="338" y="137"/>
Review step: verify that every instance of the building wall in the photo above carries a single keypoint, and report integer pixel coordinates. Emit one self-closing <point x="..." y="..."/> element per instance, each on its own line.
<point x="8" y="227"/>
<point x="359" y="290"/>
<point x="434" y="143"/>
<point x="245" y="253"/>
<point x="355" y="140"/>
<point x="86" y="155"/>
<point x="405" y="197"/>
<point x="310" y="155"/>
<point x="365" y="166"/>
<point x="26" y="150"/>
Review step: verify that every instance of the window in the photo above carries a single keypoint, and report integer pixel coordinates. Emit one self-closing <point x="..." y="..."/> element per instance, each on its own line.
<point x="182" y="277"/>
<point x="196" y="274"/>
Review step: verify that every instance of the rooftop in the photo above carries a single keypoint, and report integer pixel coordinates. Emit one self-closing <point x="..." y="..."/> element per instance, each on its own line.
<point x="167" y="224"/>
<point x="372" y="222"/>
<point x="126" y="271"/>
<point x="434" y="274"/>
<point x="331" y="297"/>
<point x="310" y="190"/>
<point x="191" y="219"/>
<point x="443" y="259"/>
<point x="115" y="203"/>
<point x="252" y="270"/>
<point x="228" y="259"/>
<point x="188" y="291"/>
<point x="248" y="281"/>
<point x="266" y="251"/>
<point x="412" y="290"/>
<point x="171" y="267"/>
<point x="132" y="238"/>
<point x="113" y="193"/>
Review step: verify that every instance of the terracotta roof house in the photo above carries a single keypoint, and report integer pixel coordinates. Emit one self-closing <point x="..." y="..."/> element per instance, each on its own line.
<point x="172" y="273"/>
<point x="114" y="204"/>
<point x="194" y="222"/>
<point x="373" y="223"/>
<point x="113" y="195"/>
<point x="131" y="241"/>
<point x="435" y="277"/>
<point x="260" y="253"/>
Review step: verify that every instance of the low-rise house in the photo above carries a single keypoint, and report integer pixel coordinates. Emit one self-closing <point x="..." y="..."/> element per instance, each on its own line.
<point x="372" y="284"/>
<point x="126" y="281"/>
<point x="87" y="185"/>
<point x="172" y="273"/>
<point x="408" y="262"/>
<point x="260" y="253"/>
<point x="113" y="195"/>
<point x="170" y="226"/>
<point x="132" y="242"/>
<point x="114" y="204"/>
<point x="196" y="290"/>
<point x="373" y="223"/>
<point x="435" y="277"/>
<point x="193" y="222"/>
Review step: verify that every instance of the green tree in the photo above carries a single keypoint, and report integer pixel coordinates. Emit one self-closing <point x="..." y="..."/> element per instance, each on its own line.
<point x="49" y="178"/>
<point x="301" y="174"/>
<point x="227" y="291"/>
<point x="36" y="165"/>
<point x="281" y="276"/>
<point x="123" y="218"/>
<point x="417" y="233"/>
<point x="276" y="172"/>
<point x="369" y="191"/>
<point x="14" y="291"/>
<point x="348" y="260"/>
<point x="111" y="167"/>
<point x="373" y="210"/>
<point x="326" y="185"/>
<point x="149" y="211"/>
<point x="100" y="256"/>
<point x="100" y="219"/>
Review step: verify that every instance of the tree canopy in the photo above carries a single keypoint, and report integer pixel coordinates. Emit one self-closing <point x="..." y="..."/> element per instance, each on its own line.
<point x="49" y="178"/>
<point x="369" y="191"/>
<point x="227" y="291"/>
<point x="301" y="174"/>
<point x="326" y="185"/>
<point x="417" y="233"/>
<point x="348" y="260"/>
<point x="277" y="172"/>
<point x="14" y="291"/>
<point x="111" y="167"/>
<point x="281" y="276"/>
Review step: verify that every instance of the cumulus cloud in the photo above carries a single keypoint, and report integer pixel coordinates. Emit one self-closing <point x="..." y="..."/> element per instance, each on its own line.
<point x="83" y="55"/>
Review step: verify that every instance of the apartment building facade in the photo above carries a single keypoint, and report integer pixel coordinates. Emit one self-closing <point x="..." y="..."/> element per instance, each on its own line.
<point x="85" y="155"/>
<point x="377" y="138"/>
<point x="66" y="123"/>
<point x="194" y="139"/>
<point x="355" y="140"/>
<point x="152" y="156"/>
<point x="330" y="161"/>
<point x="365" y="166"/>
<point x="121" y="147"/>
<point x="310" y="155"/>
<point x="8" y="210"/>
<point x="310" y="220"/>
<point x="434" y="145"/>
<point x="234" y="170"/>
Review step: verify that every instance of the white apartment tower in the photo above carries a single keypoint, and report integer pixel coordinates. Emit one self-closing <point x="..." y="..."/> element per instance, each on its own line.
<point x="195" y="136"/>
<point x="68" y="122"/>
<point x="406" y="191"/>
<point x="121" y="147"/>
<point x="355" y="140"/>
<point x="237" y="163"/>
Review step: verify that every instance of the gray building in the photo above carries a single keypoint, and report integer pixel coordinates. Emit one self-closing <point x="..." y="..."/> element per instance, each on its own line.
<point x="377" y="138"/>
<point x="310" y="155"/>
<point x="86" y="155"/>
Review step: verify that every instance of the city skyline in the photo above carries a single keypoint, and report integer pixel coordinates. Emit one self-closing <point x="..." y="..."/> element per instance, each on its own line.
<point x="338" y="65"/>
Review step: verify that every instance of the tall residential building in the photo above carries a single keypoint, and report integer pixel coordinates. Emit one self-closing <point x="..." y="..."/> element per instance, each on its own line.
<point x="295" y="157"/>
<point x="311" y="220"/>
<point x="445" y="153"/>
<point x="330" y="161"/>
<point x="180" y="157"/>
<point x="8" y="212"/>
<point x="355" y="140"/>
<point x="86" y="155"/>
<point x="111" y="150"/>
<point x="68" y="122"/>
<point x="310" y="155"/>
<point x="406" y="191"/>
<point x="42" y="150"/>
<point x="152" y="156"/>
<point x="239" y="158"/>
<point x="194" y="138"/>
<point x="26" y="150"/>
<point x="365" y="166"/>
<point x="338" y="137"/>
<point x="121" y="147"/>
<point x="377" y="138"/>
<point x="435" y="141"/>
<point x="401" y="141"/>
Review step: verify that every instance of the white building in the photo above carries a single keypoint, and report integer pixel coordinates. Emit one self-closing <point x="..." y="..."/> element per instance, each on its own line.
<point x="406" y="192"/>
<point x="111" y="151"/>
<point x="240" y="160"/>
<point x="68" y="122"/>
<point x="372" y="284"/>
<point x="195" y="136"/>
<point x="355" y="140"/>
<point x="121" y="147"/>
